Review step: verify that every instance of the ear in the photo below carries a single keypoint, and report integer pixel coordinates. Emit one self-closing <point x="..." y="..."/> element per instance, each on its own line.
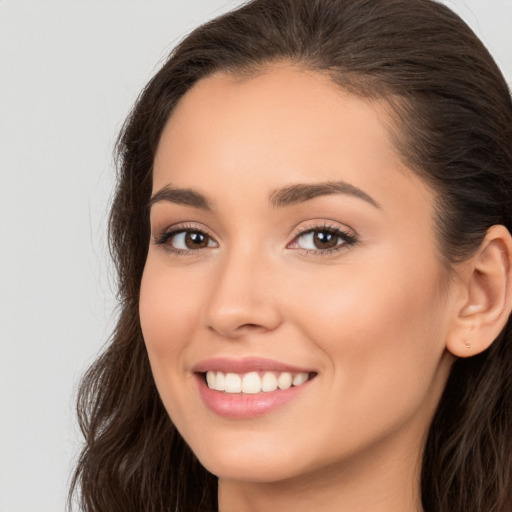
<point x="484" y="303"/>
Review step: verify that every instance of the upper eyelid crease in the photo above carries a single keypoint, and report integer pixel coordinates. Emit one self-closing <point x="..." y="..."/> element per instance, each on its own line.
<point x="163" y="237"/>
<point x="325" y="228"/>
<point x="179" y="228"/>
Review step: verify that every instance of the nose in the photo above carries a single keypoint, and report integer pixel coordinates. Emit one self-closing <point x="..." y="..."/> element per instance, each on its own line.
<point x="243" y="298"/>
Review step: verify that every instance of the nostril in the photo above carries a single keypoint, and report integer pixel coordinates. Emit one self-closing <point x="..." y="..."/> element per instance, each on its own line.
<point x="235" y="321"/>
<point x="250" y="329"/>
<point x="241" y="328"/>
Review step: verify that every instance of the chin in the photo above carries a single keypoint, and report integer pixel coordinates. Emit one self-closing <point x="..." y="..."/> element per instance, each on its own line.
<point x="247" y="471"/>
<point x="250" y="464"/>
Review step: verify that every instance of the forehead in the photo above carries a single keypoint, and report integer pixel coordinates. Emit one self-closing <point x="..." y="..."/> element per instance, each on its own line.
<point x="299" y="104"/>
<point x="280" y="126"/>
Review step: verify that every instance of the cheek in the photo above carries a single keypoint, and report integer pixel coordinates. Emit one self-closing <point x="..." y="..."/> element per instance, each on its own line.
<point x="380" y="326"/>
<point x="352" y="304"/>
<point x="168" y="316"/>
<point x="167" y="306"/>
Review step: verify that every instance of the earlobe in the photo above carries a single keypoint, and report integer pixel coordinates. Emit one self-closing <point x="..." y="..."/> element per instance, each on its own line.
<point x="487" y="295"/>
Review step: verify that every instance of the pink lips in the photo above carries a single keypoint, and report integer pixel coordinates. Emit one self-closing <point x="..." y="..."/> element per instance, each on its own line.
<point x="240" y="405"/>
<point x="248" y="364"/>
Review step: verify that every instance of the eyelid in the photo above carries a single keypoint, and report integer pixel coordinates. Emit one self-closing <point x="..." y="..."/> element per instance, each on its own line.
<point x="344" y="232"/>
<point x="347" y="234"/>
<point x="322" y="224"/>
<point x="166" y="234"/>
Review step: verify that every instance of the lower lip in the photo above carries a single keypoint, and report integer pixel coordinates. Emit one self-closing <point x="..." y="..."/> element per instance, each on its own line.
<point x="244" y="405"/>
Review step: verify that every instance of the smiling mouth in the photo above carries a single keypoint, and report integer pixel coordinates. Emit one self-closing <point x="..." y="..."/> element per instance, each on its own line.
<point x="255" y="382"/>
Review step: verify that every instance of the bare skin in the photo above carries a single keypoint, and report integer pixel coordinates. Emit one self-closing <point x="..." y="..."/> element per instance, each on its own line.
<point x="347" y="284"/>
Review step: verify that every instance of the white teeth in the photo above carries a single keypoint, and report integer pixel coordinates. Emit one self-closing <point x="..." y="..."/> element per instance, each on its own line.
<point x="220" y="381"/>
<point x="299" y="379"/>
<point x="233" y="383"/>
<point x="284" y="381"/>
<point x="252" y="382"/>
<point x="210" y="380"/>
<point x="269" y="382"/>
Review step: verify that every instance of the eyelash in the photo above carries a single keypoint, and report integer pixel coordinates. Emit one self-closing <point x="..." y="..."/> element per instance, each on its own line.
<point x="347" y="238"/>
<point x="167" y="235"/>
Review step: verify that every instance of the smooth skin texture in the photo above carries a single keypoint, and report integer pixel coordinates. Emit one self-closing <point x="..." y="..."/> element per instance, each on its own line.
<point x="378" y="320"/>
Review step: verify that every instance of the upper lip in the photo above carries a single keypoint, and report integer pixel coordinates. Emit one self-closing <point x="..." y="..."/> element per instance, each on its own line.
<point x="245" y="365"/>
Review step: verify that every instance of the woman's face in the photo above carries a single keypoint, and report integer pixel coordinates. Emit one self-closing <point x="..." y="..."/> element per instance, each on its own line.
<point x="289" y="242"/>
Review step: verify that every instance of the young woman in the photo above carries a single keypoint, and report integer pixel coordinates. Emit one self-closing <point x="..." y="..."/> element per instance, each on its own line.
<point x="311" y="229"/>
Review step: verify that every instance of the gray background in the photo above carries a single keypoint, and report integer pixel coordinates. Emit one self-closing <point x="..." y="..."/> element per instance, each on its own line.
<point x="69" y="72"/>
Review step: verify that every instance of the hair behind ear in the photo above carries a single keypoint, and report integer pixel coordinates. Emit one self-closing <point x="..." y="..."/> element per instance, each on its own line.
<point x="470" y="441"/>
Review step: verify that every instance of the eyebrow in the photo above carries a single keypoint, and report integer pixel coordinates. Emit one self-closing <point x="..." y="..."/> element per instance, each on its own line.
<point x="299" y="193"/>
<point x="287" y="196"/>
<point x="185" y="196"/>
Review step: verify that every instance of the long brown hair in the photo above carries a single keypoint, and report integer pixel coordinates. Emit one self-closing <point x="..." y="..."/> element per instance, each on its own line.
<point x="452" y="116"/>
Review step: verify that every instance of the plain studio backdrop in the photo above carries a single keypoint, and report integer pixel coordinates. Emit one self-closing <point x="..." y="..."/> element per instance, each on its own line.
<point x="70" y="71"/>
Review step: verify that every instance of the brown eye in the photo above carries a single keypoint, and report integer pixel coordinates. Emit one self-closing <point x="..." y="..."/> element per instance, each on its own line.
<point x="196" y="240"/>
<point x="325" y="239"/>
<point x="186" y="240"/>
